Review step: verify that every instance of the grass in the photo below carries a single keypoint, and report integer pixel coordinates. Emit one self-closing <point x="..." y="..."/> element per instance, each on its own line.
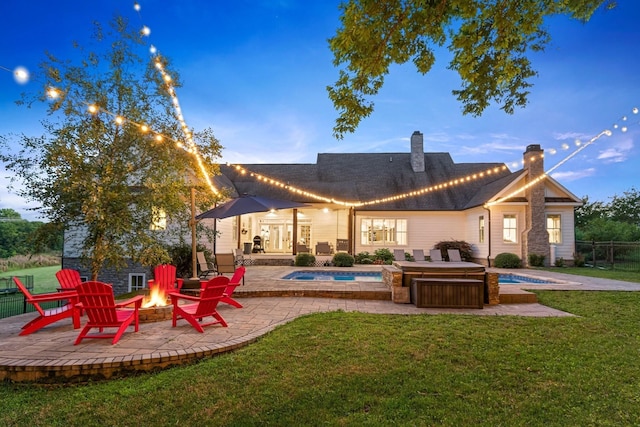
<point x="44" y="278"/>
<point x="627" y="276"/>
<point x="362" y="369"/>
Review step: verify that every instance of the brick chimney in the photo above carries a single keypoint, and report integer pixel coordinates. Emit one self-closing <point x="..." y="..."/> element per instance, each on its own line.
<point x="535" y="238"/>
<point x="417" y="152"/>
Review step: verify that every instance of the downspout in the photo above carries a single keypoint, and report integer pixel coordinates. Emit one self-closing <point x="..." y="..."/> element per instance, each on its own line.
<point x="488" y="234"/>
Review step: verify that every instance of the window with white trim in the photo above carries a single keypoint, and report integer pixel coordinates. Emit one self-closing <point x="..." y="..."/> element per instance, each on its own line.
<point x="383" y="231"/>
<point x="481" y="229"/>
<point x="509" y="229"/>
<point x="137" y="281"/>
<point x="554" y="228"/>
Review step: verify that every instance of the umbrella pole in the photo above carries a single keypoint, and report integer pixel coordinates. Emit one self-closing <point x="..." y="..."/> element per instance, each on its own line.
<point x="194" y="255"/>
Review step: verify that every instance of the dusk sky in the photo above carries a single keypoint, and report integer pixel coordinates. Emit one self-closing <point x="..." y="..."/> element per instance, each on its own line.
<point x="256" y="73"/>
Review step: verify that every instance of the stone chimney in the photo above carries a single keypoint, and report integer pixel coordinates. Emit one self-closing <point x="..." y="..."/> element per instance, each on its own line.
<point x="417" y="152"/>
<point x="535" y="238"/>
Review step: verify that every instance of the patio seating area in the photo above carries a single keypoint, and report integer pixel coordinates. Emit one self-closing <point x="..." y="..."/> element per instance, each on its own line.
<point x="49" y="354"/>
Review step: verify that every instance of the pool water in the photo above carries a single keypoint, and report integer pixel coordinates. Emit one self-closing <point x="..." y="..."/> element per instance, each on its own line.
<point x="360" y="276"/>
<point x="514" y="279"/>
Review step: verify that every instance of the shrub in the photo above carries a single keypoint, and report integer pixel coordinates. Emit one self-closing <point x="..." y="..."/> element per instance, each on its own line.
<point x="305" y="260"/>
<point x="560" y="262"/>
<point x="536" y="260"/>
<point x="363" y="258"/>
<point x="507" y="260"/>
<point x="181" y="258"/>
<point x="461" y="245"/>
<point x="578" y="260"/>
<point x="383" y="256"/>
<point x="342" y="259"/>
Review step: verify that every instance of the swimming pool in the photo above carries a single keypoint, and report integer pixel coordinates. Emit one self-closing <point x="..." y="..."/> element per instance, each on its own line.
<point x="514" y="279"/>
<point x="373" y="276"/>
<point x="360" y="276"/>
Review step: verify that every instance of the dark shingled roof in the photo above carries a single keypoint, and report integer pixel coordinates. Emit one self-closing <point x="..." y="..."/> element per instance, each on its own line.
<point x="368" y="176"/>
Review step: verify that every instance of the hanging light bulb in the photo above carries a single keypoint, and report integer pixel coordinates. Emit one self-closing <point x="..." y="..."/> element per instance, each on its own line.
<point x="21" y="75"/>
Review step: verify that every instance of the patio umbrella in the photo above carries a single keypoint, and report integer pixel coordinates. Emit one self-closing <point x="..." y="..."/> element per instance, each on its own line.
<point x="248" y="204"/>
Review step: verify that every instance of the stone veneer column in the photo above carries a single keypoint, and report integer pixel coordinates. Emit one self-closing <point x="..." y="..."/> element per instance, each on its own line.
<point x="535" y="238"/>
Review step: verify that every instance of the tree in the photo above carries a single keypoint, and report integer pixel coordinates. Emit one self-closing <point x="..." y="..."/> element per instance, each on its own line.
<point x="489" y="40"/>
<point x="626" y="208"/>
<point x="102" y="175"/>
<point x="590" y="211"/>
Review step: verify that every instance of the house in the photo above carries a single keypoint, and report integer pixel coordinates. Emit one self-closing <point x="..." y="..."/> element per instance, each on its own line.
<point x="362" y="202"/>
<point x="412" y="200"/>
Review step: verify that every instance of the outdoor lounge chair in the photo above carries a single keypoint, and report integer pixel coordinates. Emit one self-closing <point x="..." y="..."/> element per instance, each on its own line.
<point x="301" y="248"/>
<point x="48" y="316"/>
<point x="201" y="306"/>
<point x="435" y="255"/>
<point x="225" y="263"/>
<point x="97" y="301"/>
<point x="398" y="255"/>
<point x="68" y="279"/>
<point x="342" y="245"/>
<point x="418" y="255"/>
<point x="204" y="266"/>
<point x="232" y="285"/>
<point x="239" y="256"/>
<point x="323" y="248"/>
<point x="164" y="277"/>
<point x="454" y="255"/>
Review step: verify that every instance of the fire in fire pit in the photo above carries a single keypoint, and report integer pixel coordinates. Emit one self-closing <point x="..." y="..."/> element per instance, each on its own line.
<point x="155" y="306"/>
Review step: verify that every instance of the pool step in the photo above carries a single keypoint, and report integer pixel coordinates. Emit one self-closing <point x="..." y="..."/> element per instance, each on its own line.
<point x="515" y="295"/>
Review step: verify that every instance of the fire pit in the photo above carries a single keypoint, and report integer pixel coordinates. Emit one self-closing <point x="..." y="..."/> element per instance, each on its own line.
<point x="155" y="307"/>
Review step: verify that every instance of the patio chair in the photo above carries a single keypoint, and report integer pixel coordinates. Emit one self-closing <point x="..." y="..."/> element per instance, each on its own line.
<point x="225" y="263"/>
<point x="342" y="245"/>
<point x="418" y="255"/>
<point x="164" y="277"/>
<point x="454" y="255"/>
<point x="97" y="300"/>
<point x="68" y="279"/>
<point x="323" y="248"/>
<point x="435" y="255"/>
<point x="398" y="255"/>
<point x="51" y="315"/>
<point x="204" y="266"/>
<point x="232" y="285"/>
<point x="201" y="306"/>
<point x="302" y="248"/>
<point x="239" y="256"/>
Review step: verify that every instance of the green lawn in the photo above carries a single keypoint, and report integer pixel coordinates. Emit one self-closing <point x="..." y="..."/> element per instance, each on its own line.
<point x="44" y="278"/>
<point x="362" y="369"/>
<point x="627" y="276"/>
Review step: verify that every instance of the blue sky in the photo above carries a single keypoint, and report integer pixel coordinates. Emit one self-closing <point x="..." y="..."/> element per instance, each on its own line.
<point x="256" y="73"/>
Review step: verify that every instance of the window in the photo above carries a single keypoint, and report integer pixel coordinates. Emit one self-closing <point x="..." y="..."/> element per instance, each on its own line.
<point x="159" y="221"/>
<point x="481" y="229"/>
<point x="137" y="281"/>
<point x="382" y="232"/>
<point x="509" y="229"/>
<point x="554" y="229"/>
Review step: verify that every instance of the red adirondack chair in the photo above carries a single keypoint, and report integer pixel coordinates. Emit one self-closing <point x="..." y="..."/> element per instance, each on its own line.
<point x="48" y="316"/>
<point x="164" y="276"/>
<point x="201" y="306"/>
<point x="68" y="279"/>
<point x="233" y="284"/>
<point x="97" y="300"/>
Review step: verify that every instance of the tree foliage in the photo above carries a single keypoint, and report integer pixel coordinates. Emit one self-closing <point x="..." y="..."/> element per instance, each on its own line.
<point x="618" y="220"/>
<point x="110" y="180"/>
<point x="21" y="237"/>
<point x="489" y="39"/>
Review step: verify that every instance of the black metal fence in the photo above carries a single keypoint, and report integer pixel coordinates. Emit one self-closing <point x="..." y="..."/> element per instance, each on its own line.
<point x="13" y="302"/>
<point x="623" y="256"/>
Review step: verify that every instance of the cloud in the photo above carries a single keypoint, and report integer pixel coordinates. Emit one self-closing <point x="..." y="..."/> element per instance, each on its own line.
<point x="571" y="136"/>
<point x="573" y="175"/>
<point x="619" y="152"/>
